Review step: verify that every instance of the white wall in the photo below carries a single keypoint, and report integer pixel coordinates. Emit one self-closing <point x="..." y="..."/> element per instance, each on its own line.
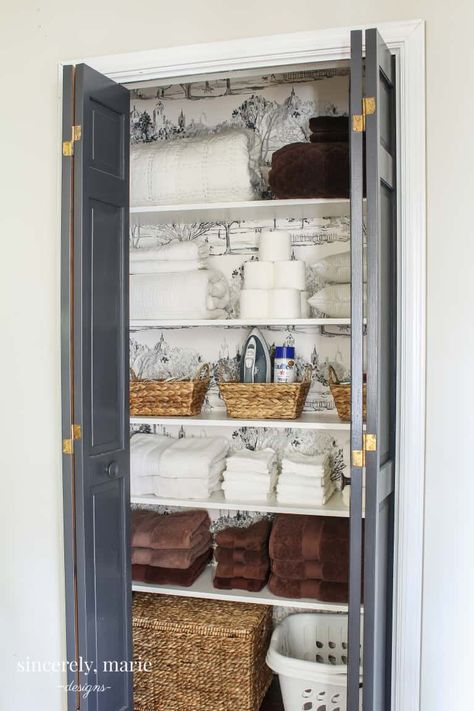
<point x="34" y="37"/>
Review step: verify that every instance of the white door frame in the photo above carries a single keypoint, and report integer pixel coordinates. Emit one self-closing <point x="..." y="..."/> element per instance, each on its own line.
<point x="407" y="40"/>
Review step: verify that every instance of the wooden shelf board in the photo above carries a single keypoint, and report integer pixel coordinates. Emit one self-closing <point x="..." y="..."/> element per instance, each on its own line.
<point x="203" y="587"/>
<point x="335" y="506"/>
<point x="308" y="421"/>
<point x="139" y="324"/>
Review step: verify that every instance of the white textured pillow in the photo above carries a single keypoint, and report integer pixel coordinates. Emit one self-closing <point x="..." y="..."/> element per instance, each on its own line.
<point x="336" y="268"/>
<point x="334" y="300"/>
<point x="214" y="167"/>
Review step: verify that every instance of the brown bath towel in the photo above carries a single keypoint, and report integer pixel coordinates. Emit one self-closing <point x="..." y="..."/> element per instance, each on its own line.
<point x="239" y="555"/>
<point x="238" y="584"/>
<point x="175" y="557"/>
<point x="322" y="538"/>
<point x="310" y="170"/>
<point x="253" y="538"/>
<point x="337" y="572"/>
<point x="170" y="576"/>
<point x="314" y="589"/>
<point x="182" y="529"/>
<point x="329" y="129"/>
<point x="256" y="571"/>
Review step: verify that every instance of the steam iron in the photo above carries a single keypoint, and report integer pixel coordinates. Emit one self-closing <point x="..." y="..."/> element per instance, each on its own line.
<point x="255" y="366"/>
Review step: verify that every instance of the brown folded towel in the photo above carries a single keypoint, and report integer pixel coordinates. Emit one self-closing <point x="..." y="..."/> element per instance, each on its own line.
<point x="175" y="557"/>
<point x="170" y="576"/>
<point x="253" y="538"/>
<point x="299" y="537"/>
<point x="239" y="555"/>
<point x="256" y="571"/>
<point x="182" y="529"/>
<point x="333" y="128"/>
<point x="329" y="137"/>
<point x="238" y="584"/>
<point x="310" y="170"/>
<point x="337" y="572"/>
<point x="315" y="589"/>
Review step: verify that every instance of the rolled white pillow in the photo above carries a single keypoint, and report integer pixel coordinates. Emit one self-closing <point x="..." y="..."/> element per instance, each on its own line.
<point x="335" y="300"/>
<point x="337" y="268"/>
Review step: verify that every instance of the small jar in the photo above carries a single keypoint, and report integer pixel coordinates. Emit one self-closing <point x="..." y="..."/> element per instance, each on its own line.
<point x="284" y="369"/>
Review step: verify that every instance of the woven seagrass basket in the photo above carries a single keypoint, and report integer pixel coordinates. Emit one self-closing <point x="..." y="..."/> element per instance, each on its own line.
<point x="168" y="398"/>
<point x="266" y="401"/>
<point x="341" y="393"/>
<point x="204" y="654"/>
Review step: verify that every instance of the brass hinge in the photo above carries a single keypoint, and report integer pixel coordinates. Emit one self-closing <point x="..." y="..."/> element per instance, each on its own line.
<point x="370" y="442"/>
<point x="370" y="445"/>
<point x="358" y="120"/>
<point x="68" y="146"/>
<point x="68" y="444"/>
<point x="358" y="458"/>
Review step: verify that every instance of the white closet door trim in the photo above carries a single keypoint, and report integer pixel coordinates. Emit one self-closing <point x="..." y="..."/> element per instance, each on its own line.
<point x="407" y="39"/>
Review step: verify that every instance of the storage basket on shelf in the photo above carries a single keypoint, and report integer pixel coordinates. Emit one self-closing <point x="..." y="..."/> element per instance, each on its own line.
<point x="204" y="654"/>
<point x="341" y="393"/>
<point x="266" y="401"/>
<point x="169" y="398"/>
<point x="308" y="651"/>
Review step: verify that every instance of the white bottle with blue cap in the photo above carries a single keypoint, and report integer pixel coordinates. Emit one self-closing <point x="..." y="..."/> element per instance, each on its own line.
<point x="284" y="369"/>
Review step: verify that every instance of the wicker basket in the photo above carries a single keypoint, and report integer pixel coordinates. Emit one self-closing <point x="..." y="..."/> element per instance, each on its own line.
<point x="204" y="654"/>
<point x="266" y="401"/>
<point x="168" y="398"/>
<point x="341" y="393"/>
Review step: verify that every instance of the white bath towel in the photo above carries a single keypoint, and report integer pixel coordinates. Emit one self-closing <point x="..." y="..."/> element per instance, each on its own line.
<point x="214" y="167"/>
<point x="288" y="494"/>
<point x="178" y="295"/>
<point x="234" y="492"/>
<point x="145" y="453"/>
<point x="301" y="480"/>
<point x="244" y="477"/>
<point x="142" y="485"/>
<point x="186" y="251"/>
<point x="194" y="457"/>
<point x="261" y="460"/>
<point x="305" y="464"/>
<point x="186" y="488"/>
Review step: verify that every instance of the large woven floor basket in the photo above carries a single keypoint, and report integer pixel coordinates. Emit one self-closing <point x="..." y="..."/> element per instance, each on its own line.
<point x="266" y="401"/>
<point x="341" y="393"/>
<point x="205" y="655"/>
<point x="168" y="398"/>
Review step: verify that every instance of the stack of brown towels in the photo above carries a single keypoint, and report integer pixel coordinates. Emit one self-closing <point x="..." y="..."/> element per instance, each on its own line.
<point x="170" y="549"/>
<point x="319" y="169"/>
<point x="242" y="557"/>
<point x="310" y="557"/>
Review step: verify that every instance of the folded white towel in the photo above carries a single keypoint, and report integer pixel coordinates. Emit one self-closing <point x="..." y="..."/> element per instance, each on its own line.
<point x="194" y="457"/>
<point x="188" y="250"/>
<point x="145" y="453"/>
<point x="177" y="295"/>
<point x="142" y="485"/>
<point x="214" y="167"/>
<point x="237" y="493"/>
<point x="248" y="477"/>
<point x="247" y="460"/>
<point x="305" y="464"/>
<point x="300" y="480"/>
<point x="186" y="488"/>
<point x="150" y="266"/>
<point x="302" y="495"/>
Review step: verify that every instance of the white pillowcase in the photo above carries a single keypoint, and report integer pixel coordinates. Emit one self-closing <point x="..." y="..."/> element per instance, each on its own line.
<point x="335" y="300"/>
<point x="336" y="268"/>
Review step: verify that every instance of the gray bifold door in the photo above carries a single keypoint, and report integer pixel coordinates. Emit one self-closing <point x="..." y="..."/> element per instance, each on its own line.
<point x="95" y="389"/>
<point x="373" y="115"/>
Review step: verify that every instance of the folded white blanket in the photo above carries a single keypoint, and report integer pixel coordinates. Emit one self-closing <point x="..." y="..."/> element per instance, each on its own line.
<point x="142" y="485"/>
<point x="186" y="251"/>
<point x="214" y="167"/>
<point x="194" y="457"/>
<point x="145" y="453"/>
<point x="305" y="464"/>
<point x="186" y="488"/>
<point x="151" y="266"/>
<point x="248" y="460"/>
<point x="178" y="295"/>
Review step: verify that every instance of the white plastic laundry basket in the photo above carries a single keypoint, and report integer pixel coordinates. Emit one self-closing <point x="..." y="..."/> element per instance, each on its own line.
<point x="308" y="651"/>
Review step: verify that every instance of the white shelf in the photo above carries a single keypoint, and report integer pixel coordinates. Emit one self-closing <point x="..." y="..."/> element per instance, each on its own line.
<point x="307" y="421"/>
<point x="139" y="324"/>
<point x="203" y="588"/>
<point x="334" y="507"/>
<point x="249" y="210"/>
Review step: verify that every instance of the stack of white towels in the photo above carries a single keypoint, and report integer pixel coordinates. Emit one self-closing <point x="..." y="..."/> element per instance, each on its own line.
<point x="249" y="475"/>
<point x="188" y="468"/>
<point x="275" y="285"/>
<point x="305" y="479"/>
<point x="173" y="282"/>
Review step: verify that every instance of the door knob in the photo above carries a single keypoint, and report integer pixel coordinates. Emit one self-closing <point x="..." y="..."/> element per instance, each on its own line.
<point x="112" y="470"/>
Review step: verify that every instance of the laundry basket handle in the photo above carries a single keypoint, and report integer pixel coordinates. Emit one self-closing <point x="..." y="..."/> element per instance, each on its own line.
<point x="307" y="374"/>
<point x="333" y="379"/>
<point x="133" y="375"/>
<point x="203" y="372"/>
